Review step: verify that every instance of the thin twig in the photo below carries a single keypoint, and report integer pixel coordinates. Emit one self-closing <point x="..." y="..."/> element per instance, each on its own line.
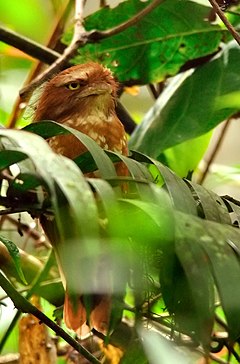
<point x="53" y="42"/>
<point x="224" y="19"/>
<point x="28" y="46"/>
<point x="33" y="233"/>
<point x="97" y="34"/>
<point x="103" y="3"/>
<point x="215" y="151"/>
<point x="79" y="38"/>
<point x="25" y="306"/>
<point x="153" y="91"/>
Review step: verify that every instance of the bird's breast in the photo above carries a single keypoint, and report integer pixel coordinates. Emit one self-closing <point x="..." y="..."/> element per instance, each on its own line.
<point x="107" y="132"/>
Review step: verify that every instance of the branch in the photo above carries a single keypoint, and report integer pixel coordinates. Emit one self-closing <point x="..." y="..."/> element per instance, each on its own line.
<point x="97" y="34"/>
<point x="28" y="46"/>
<point x="215" y="151"/>
<point x="224" y="19"/>
<point x="80" y="37"/>
<point x="54" y="42"/>
<point x="23" y="305"/>
<point x="127" y="121"/>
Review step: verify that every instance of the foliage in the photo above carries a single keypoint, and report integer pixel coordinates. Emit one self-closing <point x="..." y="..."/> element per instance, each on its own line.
<point x="172" y="244"/>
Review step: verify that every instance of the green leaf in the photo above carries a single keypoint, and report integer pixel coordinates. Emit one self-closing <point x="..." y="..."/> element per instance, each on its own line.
<point x="161" y="350"/>
<point x="189" y="107"/>
<point x="223" y="261"/>
<point x="49" y="128"/>
<point x="179" y="193"/>
<point x="74" y="208"/>
<point x="199" y="306"/>
<point x="9" y="157"/>
<point x="15" y="255"/>
<point x="157" y="46"/>
<point x="179" y="159"/>
<point x="212" y="206"/>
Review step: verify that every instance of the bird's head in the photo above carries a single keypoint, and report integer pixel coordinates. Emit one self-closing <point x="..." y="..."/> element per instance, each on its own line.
<point x="77" y="90"/>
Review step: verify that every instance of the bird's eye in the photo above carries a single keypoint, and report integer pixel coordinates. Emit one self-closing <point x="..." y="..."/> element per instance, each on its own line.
<point x="73" y="86"/>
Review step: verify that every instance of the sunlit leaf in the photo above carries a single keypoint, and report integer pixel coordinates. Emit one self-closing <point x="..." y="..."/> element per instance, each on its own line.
<point x="157" y="46"/>
<point x="187" y="107"/>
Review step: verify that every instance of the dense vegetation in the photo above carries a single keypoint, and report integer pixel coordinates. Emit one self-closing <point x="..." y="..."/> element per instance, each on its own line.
<point x="172" y="244"/>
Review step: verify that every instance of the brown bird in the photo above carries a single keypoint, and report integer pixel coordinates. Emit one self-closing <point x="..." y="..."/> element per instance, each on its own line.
<point x="83" y="97"/>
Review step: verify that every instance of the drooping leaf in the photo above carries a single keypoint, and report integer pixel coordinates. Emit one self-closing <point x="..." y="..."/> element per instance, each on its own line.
<point x="161" y="42"/>
<point x="213" y="207"/>
<point x="49" y="128"/>
<point x="15" y="255"/>
<point x="222" y="260"/>
<point x="8" y="157"/>
<point x="72" y="201"/>
<point x="199" y="306"/>
<point x="189" y="107"/>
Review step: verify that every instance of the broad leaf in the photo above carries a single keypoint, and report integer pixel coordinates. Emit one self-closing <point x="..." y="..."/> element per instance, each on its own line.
<point x="178" y="158"/>
<point x="210" y="205"/>
<point x="199" y="306"/>
<point x="189" y="107"/>
<point x="49" y="128"/>
<point x="72" y="201"/>
<point x="180" y="195"/>
<point x="157" y="46"/>
<point x="222" y="259"/>
<point x="9" y="157"/>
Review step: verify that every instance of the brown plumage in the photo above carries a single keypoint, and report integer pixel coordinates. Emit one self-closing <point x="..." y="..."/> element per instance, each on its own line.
<point x="83" y="97"/>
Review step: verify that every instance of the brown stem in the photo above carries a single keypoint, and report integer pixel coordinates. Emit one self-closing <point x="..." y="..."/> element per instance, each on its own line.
<point x="153" y="90"/>
<point x="103" y="3"/>
<point x="97" y="35"/>
<point x="28" y="46"/>
<point x="52" y="44"/>
<point x="215" y="151"/>
<point x="79" y="38"/>
<point x="224" y="19"/>
<point x="25" y="306"/>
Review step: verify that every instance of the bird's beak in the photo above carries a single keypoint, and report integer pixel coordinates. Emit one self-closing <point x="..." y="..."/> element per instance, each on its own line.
<point x="98" y="88"/>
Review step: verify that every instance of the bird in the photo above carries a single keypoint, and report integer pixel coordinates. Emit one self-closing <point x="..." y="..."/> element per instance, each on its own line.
<point x="83" y="97"/>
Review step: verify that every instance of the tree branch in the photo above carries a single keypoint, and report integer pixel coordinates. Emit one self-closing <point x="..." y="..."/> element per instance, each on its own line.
<point x="80" y="37"/>
<point x="23" y="305"/>
<point x="28" y="46"/>
<point x="215" y="151"/>
<point x="97" y="34"/>
<point x="224" y="19"/>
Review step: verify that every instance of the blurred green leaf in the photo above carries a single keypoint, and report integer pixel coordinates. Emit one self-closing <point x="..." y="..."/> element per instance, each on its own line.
<point x="9" y="157"/>
<point x="221" y="259"/>
<point x="180" y="160"/>
<point x="157" y="46"/>
<point x="187" y="107"/>
<point x="158" y="349"/>
<point x="199" y="305"/>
